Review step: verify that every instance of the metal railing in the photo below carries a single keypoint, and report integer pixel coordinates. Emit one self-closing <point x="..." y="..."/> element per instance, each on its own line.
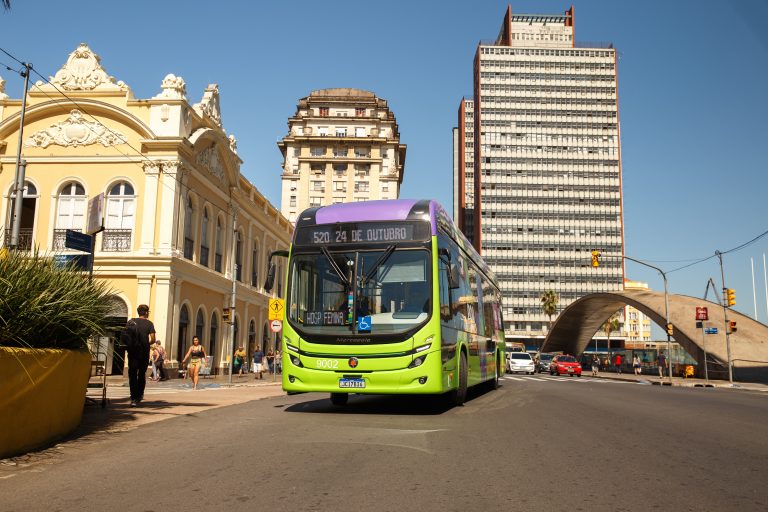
<point x="116" y="240"/>
<point x="25" y="239"/>
<point x="60" y="239"/>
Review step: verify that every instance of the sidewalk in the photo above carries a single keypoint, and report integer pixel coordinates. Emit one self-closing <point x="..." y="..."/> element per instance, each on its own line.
<point x="678" y="381"/>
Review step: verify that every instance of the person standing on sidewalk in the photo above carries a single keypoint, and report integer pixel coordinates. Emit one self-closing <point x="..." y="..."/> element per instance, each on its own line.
<point x="258" y="364"/>
<point x="661" y="361"/>
<point x="143" y="334"/>
<point x="636" y="364"/>
<point x="595" y="365"/>
<point x="160" y="360"/>
<point x="618" y="362"/>
<point x="240" y="356"/>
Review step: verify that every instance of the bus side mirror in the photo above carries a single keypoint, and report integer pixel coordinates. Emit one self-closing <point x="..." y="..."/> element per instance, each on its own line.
<point x="270" y="282"/>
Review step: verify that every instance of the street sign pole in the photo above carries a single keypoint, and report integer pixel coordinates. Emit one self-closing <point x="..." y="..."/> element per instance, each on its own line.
<point x="704" y="345"/>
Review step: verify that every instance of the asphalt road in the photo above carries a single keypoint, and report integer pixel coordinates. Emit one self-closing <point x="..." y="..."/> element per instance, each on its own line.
<point x="543" y="443"/>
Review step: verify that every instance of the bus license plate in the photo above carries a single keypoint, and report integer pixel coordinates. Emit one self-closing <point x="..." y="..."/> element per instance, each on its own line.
<point x="351" y="383"/>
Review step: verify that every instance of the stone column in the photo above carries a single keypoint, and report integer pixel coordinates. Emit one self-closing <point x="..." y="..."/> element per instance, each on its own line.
<point x="149" y="211"/>
<point x="170" y="218"/>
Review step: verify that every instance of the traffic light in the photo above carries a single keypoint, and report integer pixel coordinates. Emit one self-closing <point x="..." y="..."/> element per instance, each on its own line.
<point x="732" y="326"/>
<point x="595" y="259"/>
<point x="670" y="329"/>
<point x="730" y="297"/>
<point x="225" y="315"/>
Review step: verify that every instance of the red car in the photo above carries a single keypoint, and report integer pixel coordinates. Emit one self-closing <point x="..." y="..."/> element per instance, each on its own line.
<point x="564" y="365"/>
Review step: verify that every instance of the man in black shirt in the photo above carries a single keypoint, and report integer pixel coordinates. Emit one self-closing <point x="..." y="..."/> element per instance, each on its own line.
<point x="138" y="354"/>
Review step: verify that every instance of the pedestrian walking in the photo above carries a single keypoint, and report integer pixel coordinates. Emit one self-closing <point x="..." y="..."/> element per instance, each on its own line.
<point x="258" y="364"/>
<point x="595" y="365"/>
<point x="160" y="362"/>
<point x="153" y="360"/>
<point x="240" y="356"/>
<point x="270" y="361"/>
<point x="278" y="362"/>
<point x="138" y="334"/>
<point x="661" y="362"/>
<point x="196" y="356"/>
<point x="618" y="360"/>
<point x="636" y="365"/>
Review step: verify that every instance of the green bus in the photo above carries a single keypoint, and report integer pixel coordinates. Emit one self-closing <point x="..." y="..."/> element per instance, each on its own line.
<point x="387" y="297"/>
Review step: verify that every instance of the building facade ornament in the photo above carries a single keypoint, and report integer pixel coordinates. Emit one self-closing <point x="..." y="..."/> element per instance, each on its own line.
<point x="83" y="72"/>
<point x="210" y="160"/>
<point x="233" y="143"/>
<point x="3" y="96"/>
<point x="209" y="105"/>
<point x="151" y="167"/>
<point x="173" y="87"/>
<point x="75" y="131"/>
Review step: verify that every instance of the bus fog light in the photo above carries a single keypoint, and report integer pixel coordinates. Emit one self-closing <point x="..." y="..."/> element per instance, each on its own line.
<point x="422" y="380"/>
<point x="291" y="379"/>
<point x="418" y="361"/>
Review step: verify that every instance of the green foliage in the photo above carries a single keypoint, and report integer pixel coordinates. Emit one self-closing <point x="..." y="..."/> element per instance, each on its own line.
<point x="549" y="303"/>
<point x="45" y="306"/>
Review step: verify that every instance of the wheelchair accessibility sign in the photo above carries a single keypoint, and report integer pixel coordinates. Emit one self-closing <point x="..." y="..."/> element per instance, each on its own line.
<point x="364" y="324"/>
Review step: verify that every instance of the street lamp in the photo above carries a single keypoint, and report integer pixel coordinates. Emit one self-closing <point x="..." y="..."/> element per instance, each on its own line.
<point x="666" y="310"/>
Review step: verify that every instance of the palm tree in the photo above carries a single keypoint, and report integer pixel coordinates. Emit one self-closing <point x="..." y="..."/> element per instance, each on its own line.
<point x="549" y="306"/>
<point x="6" y="4"/>
<point x="611" y="325"/>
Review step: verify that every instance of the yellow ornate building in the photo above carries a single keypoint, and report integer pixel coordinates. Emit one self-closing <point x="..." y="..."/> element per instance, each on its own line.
<point x="183" y="229"/>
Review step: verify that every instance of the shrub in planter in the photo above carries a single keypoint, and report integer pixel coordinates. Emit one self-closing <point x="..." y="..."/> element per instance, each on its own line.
<point x="43" y="305"/>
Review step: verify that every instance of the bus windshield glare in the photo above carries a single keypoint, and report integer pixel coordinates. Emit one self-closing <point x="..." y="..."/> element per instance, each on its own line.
<point x="380" y="291"/>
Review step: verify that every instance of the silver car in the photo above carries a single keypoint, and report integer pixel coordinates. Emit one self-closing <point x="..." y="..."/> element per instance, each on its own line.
<point x="520" y="362"/>
<point x="544" y="360"/>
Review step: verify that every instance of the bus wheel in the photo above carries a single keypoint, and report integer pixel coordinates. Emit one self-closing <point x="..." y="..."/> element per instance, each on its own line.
<point x="459" y="395"/>
<point x="339" y="398"/>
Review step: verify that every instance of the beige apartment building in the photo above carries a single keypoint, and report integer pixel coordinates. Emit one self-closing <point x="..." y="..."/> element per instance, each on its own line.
<point x="184" y="231"/>
<point x="343" y="145"/>
<point x="637" y="325"/>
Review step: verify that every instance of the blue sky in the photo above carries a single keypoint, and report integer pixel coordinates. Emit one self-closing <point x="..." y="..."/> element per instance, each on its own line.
<point x="693" y="78"/>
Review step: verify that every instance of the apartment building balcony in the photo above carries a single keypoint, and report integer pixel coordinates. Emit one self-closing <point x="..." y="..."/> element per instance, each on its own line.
<point x="25" y="239"/>
<point x="116" y="240"/>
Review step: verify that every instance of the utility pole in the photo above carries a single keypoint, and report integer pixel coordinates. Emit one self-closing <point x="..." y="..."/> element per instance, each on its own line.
<point x="725" y="316"/>
<point x="21" y="165"/>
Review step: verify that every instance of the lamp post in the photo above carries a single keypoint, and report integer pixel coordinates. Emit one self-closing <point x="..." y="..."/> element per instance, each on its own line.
<point x="725" y="318"/>
<point x="20" y="165"/>
<point x="666" y="310"/>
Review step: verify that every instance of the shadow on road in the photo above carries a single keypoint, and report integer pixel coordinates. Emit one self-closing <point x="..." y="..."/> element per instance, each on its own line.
<point x="413" y="405"/>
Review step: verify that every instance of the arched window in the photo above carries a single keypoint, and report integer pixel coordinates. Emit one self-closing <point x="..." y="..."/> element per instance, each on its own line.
<point x="236" y="334"/>
<point x="255" y="264"/>
<point x="219" y="246"/>
<point x="184" y="338"/>
<point x="239" y="256"/>
<point x="70" y="212"/>
<point x="189" y="229"/>
<point x="199" y="324"/>
<point x="213" y="335"/>
<point x="27" y="220"/>
<point x="121" y="204"/>
<point x="204" y="245"/>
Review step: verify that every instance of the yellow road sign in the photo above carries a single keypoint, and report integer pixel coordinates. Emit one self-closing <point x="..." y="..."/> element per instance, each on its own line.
<point x="276" y="309"/>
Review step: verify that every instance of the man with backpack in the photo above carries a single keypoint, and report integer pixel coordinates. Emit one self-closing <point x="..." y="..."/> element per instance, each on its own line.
<point x="138" y="335"/>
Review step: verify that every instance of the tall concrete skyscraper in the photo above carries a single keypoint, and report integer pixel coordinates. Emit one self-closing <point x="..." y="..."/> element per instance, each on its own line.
<point x="545" y="183"/>
<point x="342" y="145"/>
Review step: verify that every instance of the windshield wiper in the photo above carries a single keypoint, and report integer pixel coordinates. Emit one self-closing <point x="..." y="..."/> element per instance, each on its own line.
<point x="378" y="263"/>
<point x="336" y="268"/>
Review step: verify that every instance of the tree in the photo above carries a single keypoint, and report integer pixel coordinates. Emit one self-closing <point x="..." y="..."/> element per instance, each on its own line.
<point x="6" y="4"/>
<point x="549" y="305"/>
<point x="611" y="325"/>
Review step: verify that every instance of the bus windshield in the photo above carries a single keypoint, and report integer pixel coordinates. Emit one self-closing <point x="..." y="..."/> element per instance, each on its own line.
<point x="383" y="291"/>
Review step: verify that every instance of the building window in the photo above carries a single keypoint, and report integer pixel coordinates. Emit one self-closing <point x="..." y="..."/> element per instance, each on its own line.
<point x="340" y="169"/>
<point x="362" y="169"/>
<point x="360" y="131"/>
<point x="239" y="256"/>
<point x="70" y="213"/>
<point x="340" y="152"/>
<point x="121" y="204"/>
<point x="318" y="186"/>
<point x="324" y="111"/>
<point x="318" y="168"/>
<point x="362" y="153"/>
<point x="341" y="131"/>
<point x="189" y="217"/>
<point x="255" y="264"/>
<point x="212" y="335"/>
<point x="204" y="236"/>
<point x="219" y="255"/>
<point x="292" y="202"/>
<point x="317" y="151"/>
<point x="361" y="186"/>
<point x="315" y="201"/>
<point x="339" y="186"/>
<point x="322" y="131"/>
<point x="360" y="111"/>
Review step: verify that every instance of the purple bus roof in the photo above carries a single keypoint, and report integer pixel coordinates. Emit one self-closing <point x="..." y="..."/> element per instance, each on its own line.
<point x="367" y="211"/>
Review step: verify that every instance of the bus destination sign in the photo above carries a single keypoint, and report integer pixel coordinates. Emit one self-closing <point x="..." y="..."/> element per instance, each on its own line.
<point x="362" y="233"/>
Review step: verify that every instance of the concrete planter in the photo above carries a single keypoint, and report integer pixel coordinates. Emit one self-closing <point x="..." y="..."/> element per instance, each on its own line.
<point x="42" y="393"/>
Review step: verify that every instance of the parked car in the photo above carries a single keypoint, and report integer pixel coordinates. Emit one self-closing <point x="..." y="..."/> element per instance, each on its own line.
<point x="520" y="362"/>
<point x="564" y="365"/>
<point x="544" y="360"/>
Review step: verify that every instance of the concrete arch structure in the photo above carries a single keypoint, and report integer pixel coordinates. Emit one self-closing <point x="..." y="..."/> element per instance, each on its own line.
<point x="578" y="323"/>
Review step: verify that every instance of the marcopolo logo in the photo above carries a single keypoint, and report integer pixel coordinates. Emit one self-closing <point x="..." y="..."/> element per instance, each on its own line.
<point x="352" y="362"/>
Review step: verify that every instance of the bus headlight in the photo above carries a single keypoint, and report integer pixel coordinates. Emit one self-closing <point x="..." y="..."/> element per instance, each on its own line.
<point x="296" y="361"/>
